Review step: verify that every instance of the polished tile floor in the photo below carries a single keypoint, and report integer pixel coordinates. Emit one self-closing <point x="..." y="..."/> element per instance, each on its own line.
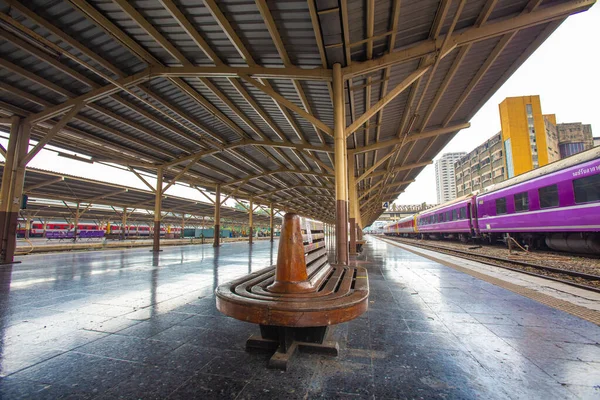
<point x="128" y="325"/>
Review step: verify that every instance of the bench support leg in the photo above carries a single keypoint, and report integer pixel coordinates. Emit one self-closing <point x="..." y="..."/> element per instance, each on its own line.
<point x="286" y="341"/>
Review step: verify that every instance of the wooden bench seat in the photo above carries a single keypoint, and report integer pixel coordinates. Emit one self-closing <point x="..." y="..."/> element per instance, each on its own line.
<point x="295" y="301"/>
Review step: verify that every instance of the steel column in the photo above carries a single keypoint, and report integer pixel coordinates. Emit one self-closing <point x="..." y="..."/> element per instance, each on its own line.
<point x="217" y="218"/>
<point x="157" y="209"/>
<point x="352" y="204"/>
<point x="12" y="188"/>
<point x="341" y="182"/>
<point x="76" y="222"/>
<point x="272" y="217"/>
<point x="27" y="227"/>
<point x="250" y="222"/>
<point x="124" y="223"/>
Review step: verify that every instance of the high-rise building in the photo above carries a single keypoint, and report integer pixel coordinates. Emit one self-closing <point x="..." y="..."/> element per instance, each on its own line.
<point x="481" y="167"/>
<point x="526" y="144"/>
<point x="573" y="138"/>
<point x="444" y="176"/>
<point x="596" y="141"/>
<point x="528" y="140"/>
<point x="551" y="137"/>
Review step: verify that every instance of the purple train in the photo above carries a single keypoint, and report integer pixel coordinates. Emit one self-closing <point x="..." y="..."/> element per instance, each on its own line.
<point x="557" y="205"/>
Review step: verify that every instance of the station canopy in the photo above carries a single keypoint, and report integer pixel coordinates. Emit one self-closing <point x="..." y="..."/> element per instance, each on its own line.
<point x="239" y="93"/>
<point x="53" y="195"/>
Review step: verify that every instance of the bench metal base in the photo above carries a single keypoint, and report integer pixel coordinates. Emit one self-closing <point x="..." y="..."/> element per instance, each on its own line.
<point x="286" y="341"/>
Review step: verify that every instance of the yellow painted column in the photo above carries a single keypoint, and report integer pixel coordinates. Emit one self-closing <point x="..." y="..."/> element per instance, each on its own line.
<point x="250" y="222"/>
<point x="341" y="182"/>
<point x="11" y="191"/>
<point x="217" y="221"/>
<point x="272" y="217"/>
<point x="157" y="210"/>
<point x="352" y="204"/>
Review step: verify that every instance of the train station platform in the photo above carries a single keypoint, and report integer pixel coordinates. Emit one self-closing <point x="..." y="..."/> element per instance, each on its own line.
<point x="130" y="324"/>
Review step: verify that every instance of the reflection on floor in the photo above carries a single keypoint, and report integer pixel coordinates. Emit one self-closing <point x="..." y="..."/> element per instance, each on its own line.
<point x="127" y="324"/>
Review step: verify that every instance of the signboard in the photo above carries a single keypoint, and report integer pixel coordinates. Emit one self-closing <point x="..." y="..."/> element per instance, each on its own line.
<point x="385" y="204"/>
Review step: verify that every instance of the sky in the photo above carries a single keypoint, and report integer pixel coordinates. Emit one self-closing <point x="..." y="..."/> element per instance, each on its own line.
<point x="562" y="71"/>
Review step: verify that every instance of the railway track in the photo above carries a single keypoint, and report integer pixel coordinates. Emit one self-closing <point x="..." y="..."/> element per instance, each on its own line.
<point x="570" y="277"/>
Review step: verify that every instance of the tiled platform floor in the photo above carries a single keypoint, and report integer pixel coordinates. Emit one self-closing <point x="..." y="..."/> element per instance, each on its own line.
<point x="124" y="324"/>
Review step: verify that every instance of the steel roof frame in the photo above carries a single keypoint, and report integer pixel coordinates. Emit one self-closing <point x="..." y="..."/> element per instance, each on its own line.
<point x="278" y="150"/>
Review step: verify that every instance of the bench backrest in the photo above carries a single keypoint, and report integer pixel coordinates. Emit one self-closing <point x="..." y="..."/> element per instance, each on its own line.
<point x="313" y="235"/>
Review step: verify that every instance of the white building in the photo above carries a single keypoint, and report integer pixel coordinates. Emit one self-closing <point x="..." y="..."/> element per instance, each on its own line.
<point x="445" y="183"/>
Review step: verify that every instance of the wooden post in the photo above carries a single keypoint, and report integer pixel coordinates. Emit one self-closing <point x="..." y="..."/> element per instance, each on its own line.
<point x="341" y="183"/>
<point x="11" y="191"/>
<point x="157" y="210"/>
<point x="217" y="218"/>
<point x="250" y="222"/>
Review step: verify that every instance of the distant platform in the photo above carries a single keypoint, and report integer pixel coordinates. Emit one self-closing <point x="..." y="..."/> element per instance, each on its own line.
<point x="42" y="245"/>
<point x="144" y="325"/>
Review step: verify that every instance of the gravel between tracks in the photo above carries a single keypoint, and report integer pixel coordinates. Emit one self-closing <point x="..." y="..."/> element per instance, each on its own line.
<point x="564" y="261"/>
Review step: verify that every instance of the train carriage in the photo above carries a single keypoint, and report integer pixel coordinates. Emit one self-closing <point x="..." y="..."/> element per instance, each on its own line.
<point x="455" y="218"/>
<point x="558" y="203"/>
<point x="403" y="227"/>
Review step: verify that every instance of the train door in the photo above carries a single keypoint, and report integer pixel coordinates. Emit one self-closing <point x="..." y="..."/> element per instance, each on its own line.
<point x="472" y="215"/>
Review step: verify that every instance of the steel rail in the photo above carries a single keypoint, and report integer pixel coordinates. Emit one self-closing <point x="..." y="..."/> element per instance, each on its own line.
<point x="498" y="260"/>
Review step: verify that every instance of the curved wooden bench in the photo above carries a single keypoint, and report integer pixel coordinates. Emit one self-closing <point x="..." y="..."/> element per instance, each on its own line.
<point x="295" y="301"/>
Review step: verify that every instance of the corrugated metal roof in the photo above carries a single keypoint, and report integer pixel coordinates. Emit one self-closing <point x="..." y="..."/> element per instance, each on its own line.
<point x="254" y="147"/>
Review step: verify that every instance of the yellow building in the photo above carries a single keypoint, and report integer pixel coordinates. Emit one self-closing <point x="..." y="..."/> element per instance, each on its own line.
<point x="525" y="135"/>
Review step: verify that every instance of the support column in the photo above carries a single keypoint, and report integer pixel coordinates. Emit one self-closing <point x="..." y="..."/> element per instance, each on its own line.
<point x="250" y="222"/>
<point x="353" y="200"/>
<point x="76" y="222"/>
<point x="124" y="223"/>
<point x="182" y="235"/>
<point x="341" y="183"/>
<point x="217" y="218"/>
<point x="11" y="191"/>
<point x="27" y="227"/>
<point x="157" y="210"/>
<point x="271" y="220"/>
<point x="45" y="228"/>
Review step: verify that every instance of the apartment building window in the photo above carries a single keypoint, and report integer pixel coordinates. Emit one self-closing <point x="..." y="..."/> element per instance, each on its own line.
<point x="532" y="140"/>
<point x="509" y="158"/>
<point x="568" y="149"/>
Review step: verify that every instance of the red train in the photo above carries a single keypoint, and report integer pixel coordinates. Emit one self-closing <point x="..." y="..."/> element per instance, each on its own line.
<point x="37" y="229"/>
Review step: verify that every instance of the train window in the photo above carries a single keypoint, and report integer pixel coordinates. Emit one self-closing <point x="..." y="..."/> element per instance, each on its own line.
<point x="448" y="216"/>
<point x="587" y="189"/>
<point x="462" y="213"/>
<point x="454" y="217"/>
<point x="521" y="202"/>
<point x="501" y="206"/>
<point x="548" y="196"/>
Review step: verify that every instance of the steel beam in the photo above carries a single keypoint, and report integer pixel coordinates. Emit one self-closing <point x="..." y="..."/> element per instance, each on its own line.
<point x="467" y="36"/>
